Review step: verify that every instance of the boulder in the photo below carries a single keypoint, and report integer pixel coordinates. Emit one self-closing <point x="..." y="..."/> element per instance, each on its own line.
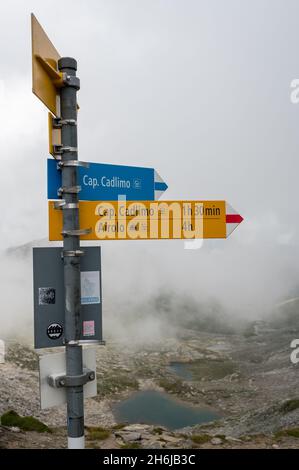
<point x="216" y="441"/>
<point x="129" y="436"/>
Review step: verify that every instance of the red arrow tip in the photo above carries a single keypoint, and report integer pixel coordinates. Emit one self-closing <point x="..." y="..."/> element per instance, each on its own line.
<point x="234" y="218"/>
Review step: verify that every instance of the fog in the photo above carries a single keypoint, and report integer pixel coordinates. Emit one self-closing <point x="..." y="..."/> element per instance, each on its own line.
<point x="199" y="90"/>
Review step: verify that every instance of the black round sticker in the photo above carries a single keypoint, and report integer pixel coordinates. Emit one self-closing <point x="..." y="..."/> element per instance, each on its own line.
<point x="54" y="331"/>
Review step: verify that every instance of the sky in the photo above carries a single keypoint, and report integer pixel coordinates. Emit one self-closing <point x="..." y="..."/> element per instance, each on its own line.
<point x="197" y="89"/>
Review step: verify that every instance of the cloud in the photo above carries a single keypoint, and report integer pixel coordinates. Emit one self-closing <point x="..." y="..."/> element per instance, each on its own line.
<point x="201" y="93"/>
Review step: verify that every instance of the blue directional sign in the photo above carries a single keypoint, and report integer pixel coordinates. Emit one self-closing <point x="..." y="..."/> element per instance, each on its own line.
<point x="104" y="182"/>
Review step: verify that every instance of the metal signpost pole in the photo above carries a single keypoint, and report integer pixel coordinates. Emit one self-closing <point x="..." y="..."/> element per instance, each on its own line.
<point x="71" y="253"/>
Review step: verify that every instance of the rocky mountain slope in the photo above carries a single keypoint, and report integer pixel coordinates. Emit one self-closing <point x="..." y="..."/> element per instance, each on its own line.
<point x="247" y="378"/>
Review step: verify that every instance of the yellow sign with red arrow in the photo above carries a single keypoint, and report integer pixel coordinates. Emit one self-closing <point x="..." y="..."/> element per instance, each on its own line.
<point x="149" y="220"/>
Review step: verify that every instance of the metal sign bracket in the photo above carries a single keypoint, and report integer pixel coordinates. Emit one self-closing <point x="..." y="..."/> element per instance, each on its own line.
<point x="72" y="253"/>
<point x="57" y="78"/>
<point x="71" y="81"/>
<point x="59" y="149"/>
<point x="57" y="123"/>
<point x="63" y="205"/>
<point x="70" y="190"/>
<point x="68" y="163"/>
<point x="76" y="233"/>
<point x="62" y="380"/>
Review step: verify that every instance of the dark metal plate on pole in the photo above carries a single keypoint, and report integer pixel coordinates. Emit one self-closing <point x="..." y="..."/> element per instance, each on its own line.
<point x="48" y="286"/>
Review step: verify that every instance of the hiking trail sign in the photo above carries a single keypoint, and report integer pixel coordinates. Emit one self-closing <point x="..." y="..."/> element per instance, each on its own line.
<point x="150" y="220"/>
<point x="105" y="182"/>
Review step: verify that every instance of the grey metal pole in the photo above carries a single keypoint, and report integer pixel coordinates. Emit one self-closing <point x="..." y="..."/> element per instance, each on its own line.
<point x="71" y="253"/>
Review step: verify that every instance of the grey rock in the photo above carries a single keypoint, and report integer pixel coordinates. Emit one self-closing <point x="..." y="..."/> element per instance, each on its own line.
<point x="216" y="441"/>
<point x="171" y="439"/>
<point x="136" y="427"/>
<point x="15" y="429"/>
<point x="232" y="439"/>
<point x="130" y="436"/>
<point x="153" y="445"/>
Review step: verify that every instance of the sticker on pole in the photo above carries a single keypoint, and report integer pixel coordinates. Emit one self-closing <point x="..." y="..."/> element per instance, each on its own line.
<point x="88" y="328"/>
<point x="90" y="287"/>
<point x="54" y="331"/>
<point x="46" y="296"/>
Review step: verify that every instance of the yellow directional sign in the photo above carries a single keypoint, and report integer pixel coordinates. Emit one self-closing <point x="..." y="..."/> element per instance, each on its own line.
<point x="149" y="220"/>
<point x="46" y="79"/>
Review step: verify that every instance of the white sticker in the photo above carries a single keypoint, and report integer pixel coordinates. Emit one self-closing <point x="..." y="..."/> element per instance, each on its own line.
<point x="90" y="287"/>
<point x="88" y="328"/>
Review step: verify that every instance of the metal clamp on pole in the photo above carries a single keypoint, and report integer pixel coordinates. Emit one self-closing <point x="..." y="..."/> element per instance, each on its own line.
<point x="72" y="163"/>
<point x="61" y="149"/>
<point x="72" y="81"/>
<point x="57" y="123"/>
<point x="70" y="190"/>
<point x="72" y="253"/>
<point x="63" y="205"/>
<point x="63" y="380"/>
<point x="59" y="204"/>
<point x="76" y="233"/>
<point x="57" y="152"/>
<point x="71" y="205"/>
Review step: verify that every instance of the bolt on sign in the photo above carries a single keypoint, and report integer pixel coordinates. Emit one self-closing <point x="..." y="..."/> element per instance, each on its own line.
<point x="150" y="220"/>
<point x="46" y="79"/>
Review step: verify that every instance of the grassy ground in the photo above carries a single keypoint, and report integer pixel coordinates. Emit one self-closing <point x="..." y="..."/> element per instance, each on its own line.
<point x="26" y="423"/>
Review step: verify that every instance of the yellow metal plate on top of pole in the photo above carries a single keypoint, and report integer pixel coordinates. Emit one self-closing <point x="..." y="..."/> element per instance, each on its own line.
<point x="46" y="79"/>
